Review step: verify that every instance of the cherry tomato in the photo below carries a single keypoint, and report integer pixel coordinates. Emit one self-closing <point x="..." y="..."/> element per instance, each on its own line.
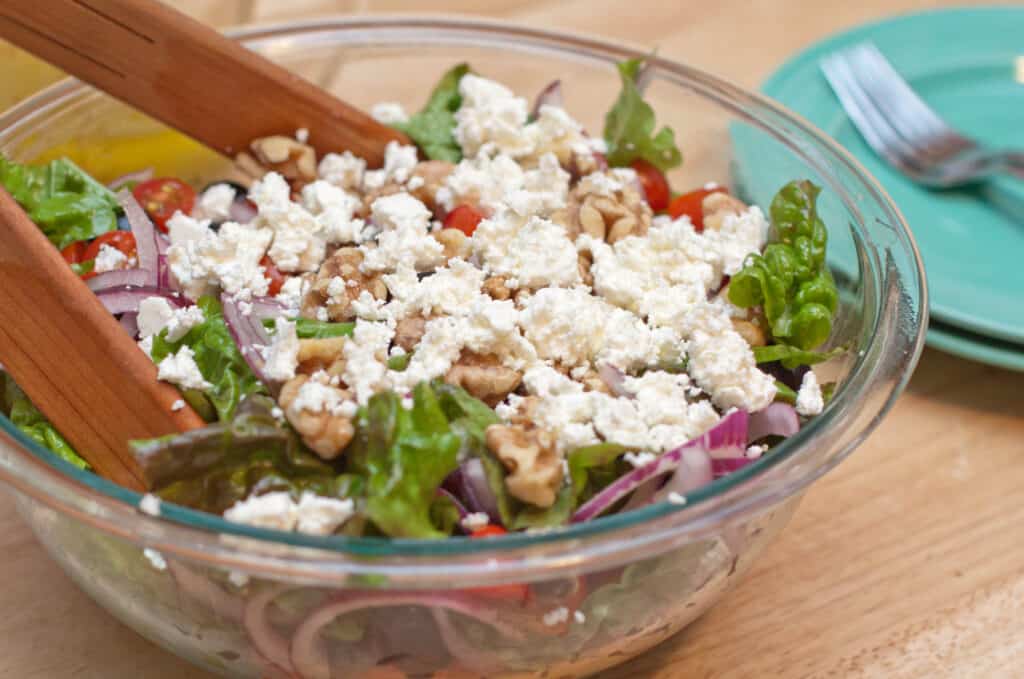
<point x="517" y="593"/>
<point x="465" y="218"/>
<point x="689" y="204"/>
<point x="121" y="240"/>
<point x="654" y="183"/>
<point x="273" y="274"/>
<point x="72" y="254"/>
<point x="164" y="196"/>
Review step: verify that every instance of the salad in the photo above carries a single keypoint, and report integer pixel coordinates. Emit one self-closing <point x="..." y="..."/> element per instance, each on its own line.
<point x="511" y="326"/>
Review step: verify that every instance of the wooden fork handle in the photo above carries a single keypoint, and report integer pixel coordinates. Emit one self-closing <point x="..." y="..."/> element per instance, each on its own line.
<point x="73" y="359"/>
<point x="187" y="75"/>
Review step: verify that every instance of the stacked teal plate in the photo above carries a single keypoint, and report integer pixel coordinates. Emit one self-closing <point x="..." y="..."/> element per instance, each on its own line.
<point x="968" y="64"/>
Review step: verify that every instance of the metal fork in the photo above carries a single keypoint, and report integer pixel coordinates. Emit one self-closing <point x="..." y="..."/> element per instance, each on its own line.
<point x="903" y="129"/>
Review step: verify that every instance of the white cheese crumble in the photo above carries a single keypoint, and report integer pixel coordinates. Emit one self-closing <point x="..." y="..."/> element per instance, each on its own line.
<point x="399" y="162"/>
<point x="539" y="254"/>
<point x="300" y="240"/>
<point x="154" y="315"/>
<point x="491" y="115"/>
<point x="556" y="616"/>
<point x="181" y="369"/>
<point x="150" y="504"/>
<point x="238" y="579"/>
<point x="334" y="210"/>
<point x="283" y="355"/>
<point x="475" y="521"/>
<point x="109" y="258"/>
<point x="182" y="229"/>
<point x="579" y="617"/>
<point x="215" y="202"/>
<point x="302" y="135"/>
<point x="389" y="113"/>
<point x="639" y="460"/>
<point x="404" y="237"/>
<point x="228" y="259"/>
<point x="676" y="499"/>
<point x="344" y="170"/>
<point x="182" y="320"/>
<point x="809" y="400"/>
<point x="178" y="405"/>
<point x="155" y="558"/>
<point x="312" y="514"/>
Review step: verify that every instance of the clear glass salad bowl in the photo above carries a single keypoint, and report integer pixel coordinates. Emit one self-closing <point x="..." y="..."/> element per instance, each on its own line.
<point x="248" y="602"/>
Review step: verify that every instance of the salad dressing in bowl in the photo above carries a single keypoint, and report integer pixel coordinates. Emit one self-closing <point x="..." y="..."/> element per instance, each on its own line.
<point x="247" y="601"/>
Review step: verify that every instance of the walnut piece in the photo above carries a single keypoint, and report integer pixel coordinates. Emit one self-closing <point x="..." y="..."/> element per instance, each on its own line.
<point x="483" y="376"/>
<point x="496" y="288"/>
<point x="610" y="218"/>
<point x="326" y="434"/>
<point x="751" y="332"/>
<point x="294" y="160"/>
<point x="409" y="331"/>
<point x="530" y="456"/>
<point x="321" y="354"/>
<point x="717" y="206"/>
<point x="455" y="243"/>
<point x="344" y="264"/>
<point x="583" y="263"/>
<point x="432" y="174"/>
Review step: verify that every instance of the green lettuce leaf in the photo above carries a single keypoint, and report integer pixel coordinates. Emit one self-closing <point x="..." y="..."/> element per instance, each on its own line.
<point x="307" y="328"/>
<point x="587" y="464"/>
<point x="404" y="455"/>
<point x="214" y="467"/>
<point x="433" y="127"/>
<point x="26" y="417"/>
<point x="792" y="357"/>
<point x="629" y="127"/>
<point x="218" y="358"/>
<point x="66" y="203"/>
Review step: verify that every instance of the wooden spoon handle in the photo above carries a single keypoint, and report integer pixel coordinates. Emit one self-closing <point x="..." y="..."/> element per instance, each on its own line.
<point x="72" y="357"/>
<point x="187" y="75"/>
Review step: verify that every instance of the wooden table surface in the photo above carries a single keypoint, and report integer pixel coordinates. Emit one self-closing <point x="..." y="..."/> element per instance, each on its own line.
<point x="906" y="561"/>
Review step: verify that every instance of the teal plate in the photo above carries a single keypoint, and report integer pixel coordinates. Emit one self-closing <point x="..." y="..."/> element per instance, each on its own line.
<point x="968" y="64"/>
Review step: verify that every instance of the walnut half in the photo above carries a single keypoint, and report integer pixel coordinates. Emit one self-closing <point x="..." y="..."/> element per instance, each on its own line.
<point x="294" y="160"/>
<point x="327" y="434"/>
<point x="326" y="289"/>
<point x="530" y="456"/>
<point x="608" y="217"/>
<point x="483" y="376"/>
<point x="717" y="206"/>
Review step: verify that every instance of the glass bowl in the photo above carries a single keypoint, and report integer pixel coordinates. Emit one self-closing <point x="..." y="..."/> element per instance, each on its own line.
<point x="248" y="602"/>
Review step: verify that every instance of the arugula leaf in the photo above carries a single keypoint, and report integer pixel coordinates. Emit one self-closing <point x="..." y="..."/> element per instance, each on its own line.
<point x="26" y="417"/>
<point x="793" y="357"/>
<point x="307" y="328"/>
<point x="66" y="203"/>
<point x="217" y="356"/>
<point x="629" y="127"/>
<point x="433" y="128"/>
<point x="214" y="467"/>
<point x="404" y="455"/>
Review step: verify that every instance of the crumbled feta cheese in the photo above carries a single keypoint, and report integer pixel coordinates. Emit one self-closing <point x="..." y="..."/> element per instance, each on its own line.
<point x="228" y="259"/>
<point x="600" y="183"/>
<point x="556" y="616"/>
<point x="450" y="290"/>
<point x="155" y="558"/>
<point x="434" y="356"/>
<point x="366" y="355"/>
<point x="555" y="131"/>
<point x="181" y="369"/>
<point x="475" y="521"/>
<point x="182" y="229"/>
<point x="146" y="344"/>
<point x="178" y="405"/>
<point x="739" y="236"/>
<point x="109" y="259"/>
<point x="292" y="292"/>
<point x="404" y="237"/>
<point x="283" y="356"/>
<point x="676" y="499"/>
<point x="539" y="254"/>
<point x="334" y="210"/>
<point x="483" y="181"/>
<point x="639" y="460"/>
<point x="272" y="510"/>
<point x="300" y="240"/>
<point x="399" y="162"/>
<point x="809" y="400"/>
<point x="565" y="324"/>
<point x="154" y="315"/>
<point x="343" y="170"/>
<point x="491" y="115"/>
<point x="318" y="515"/>
<point x="579" y="617"/>
<point x="215" y="202"/>
<point x="315" y="396"/>
<point x="182" y="320"/>
<point x="277" y="413"/>
<point x="389" y="113"/>
<point x="150" y="504"/>
<point x="238" y="579"/>
<point x="754" y="452"/>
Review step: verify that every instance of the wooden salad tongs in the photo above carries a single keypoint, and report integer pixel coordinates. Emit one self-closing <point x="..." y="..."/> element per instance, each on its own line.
<point x="62" y="347"/>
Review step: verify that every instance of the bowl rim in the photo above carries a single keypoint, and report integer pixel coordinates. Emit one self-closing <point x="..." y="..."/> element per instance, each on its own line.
<point x="204" y="537"/>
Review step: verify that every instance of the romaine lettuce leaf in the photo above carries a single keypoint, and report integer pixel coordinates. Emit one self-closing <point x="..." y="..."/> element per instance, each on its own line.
<point x="433" y="127"/>
<point x="629" y="127"/>
<point x="65" y="202"/>
<point x="26" y="417"/>
<point x="217" y="356"/>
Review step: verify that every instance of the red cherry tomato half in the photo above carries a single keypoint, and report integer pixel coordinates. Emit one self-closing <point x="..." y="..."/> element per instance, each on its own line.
<point x="121" y="240"/>
<point x="689" y="204"/>
<point x="654" y="183"/>
<point x="465" y="218"/>
<point x="273" y="274"/>
<point x="164" y="196"/>
<point x="72" y="254"/>
<point x="516" y="593"/>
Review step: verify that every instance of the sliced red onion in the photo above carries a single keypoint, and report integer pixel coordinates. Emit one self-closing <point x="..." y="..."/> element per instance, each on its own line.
<point x="549" y="96"/>
<point x="476" y="491"/>
<point x="722" y="466"/>
<point x="463" y="512"/>
<point x="778" y="419"/>
<point x="614" y="379"/>
<point x="162" y="243"/>
<point x="266" y="307"/>
<point x="309" y="656"/>
<point x="130" y="322"/>
<point x="120" y="278"/>
<point x="138" y="176"/>
<point x="272" y="646"/>
<point x="248" y="332"/>
<point x="145" y="235"/>
<point x="729" y="435"/>
<point x="126" y="299"/>
<point x="695" y="470"/>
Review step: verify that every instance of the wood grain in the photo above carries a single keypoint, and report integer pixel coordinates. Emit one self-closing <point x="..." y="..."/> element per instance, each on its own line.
<point x="73" y="359"/>
<point x="906" y="562"/>
<point x="187" y="74"/>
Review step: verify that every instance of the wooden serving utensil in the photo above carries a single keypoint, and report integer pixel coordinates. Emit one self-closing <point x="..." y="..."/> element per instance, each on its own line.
<point x="75" y="362"/>
<point x="187" y="75"/>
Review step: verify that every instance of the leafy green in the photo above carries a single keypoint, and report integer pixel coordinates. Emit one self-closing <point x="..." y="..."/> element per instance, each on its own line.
<point x="558" y="514"/>
<point x="65" y="202"/>
<point x="399" y="362"/>
<point x="444" y="514"/>
<point x="82" y="268"/>
<point x="217" y="356"/>
<point x="629" y="127"/>
<point x="307" y="328"/>
<point x="790" y="280"/>
<point x="214" y="467"/>
<point x="26" y="417"/>
<point x="784" y="393"/>
<point x="588" y="462"/>
<point x="792" y="357"/>
<point x="404" y="455"/>
<point x="433" y="127"/>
